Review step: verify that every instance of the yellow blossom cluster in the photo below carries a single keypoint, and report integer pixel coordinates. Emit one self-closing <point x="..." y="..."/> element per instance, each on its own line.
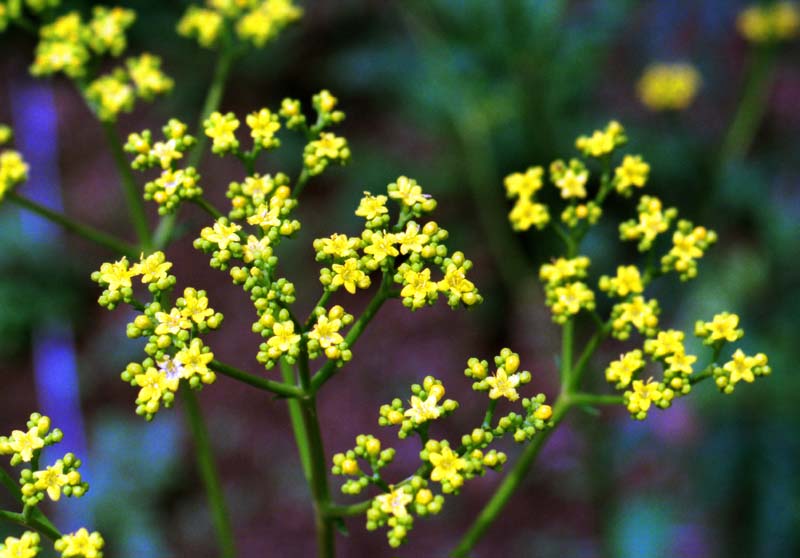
<point x="652" y="221"/>
<point x="251" y="21"/>
<point x="13" y="168"/>
<point x="769" y="22"/>
<point x="444" y="466"/>
<point x="664" y="87"/>
<point x="526" y="212"/>
<point x="566" y="293"/>
<point x="602" y="142"/>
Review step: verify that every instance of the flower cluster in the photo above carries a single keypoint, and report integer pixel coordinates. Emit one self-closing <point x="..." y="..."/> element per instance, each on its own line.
<point x="252" y="21"/>
<point x="174" y="184"/>
<point x="665" y="87"/>
<point x="769" y="22"/>
<point x="174" y="349"/>
<point x="13" y="168"/>
<point x="526" y="212"/>
<point x="68" y="44"/>
<point x="444" y="467"/>
<point x="568" y="293"/>
<point x="53" y="481"/>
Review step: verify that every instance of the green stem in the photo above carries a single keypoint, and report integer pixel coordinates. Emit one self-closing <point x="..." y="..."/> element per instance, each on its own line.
<point x="580" y="366"/>
<point x="487" y="418"/>
<point x="278" y="388"/>
<point x="222" y="70"/>
<point x="132" y="195"/>
<point x="323" y="300"/>
<point x="318" y="463"/>
<point x="208" y="471"/>
<point x="296" y="419"/>
<point x="752" y="105"/>
<point x="589" y="399"/>
<point x="112" y="243"/>
<point x="567" y="343"/>
<point x="333" y="510"/>
<point x="510" y="483"/>
<point x="37" y="522"/>
<point x="11" y="484"/>
<point x="302" y="181"/>
<point x="206" y="206"/>
<point x="329" y="369"/>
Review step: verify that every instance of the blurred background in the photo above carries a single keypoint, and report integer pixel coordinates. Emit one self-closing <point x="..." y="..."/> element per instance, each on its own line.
<point x="457" y="94"/>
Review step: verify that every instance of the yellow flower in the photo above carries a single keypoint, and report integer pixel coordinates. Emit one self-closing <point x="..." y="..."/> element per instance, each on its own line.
<point x="563" y="269"/>
<point x="524" y="185"/>
<point x="569" y="299"/>
<point x="411" y="240"/>
<point x="146" y="74"/>
<point x="338" y="245"/>
<point x="5" y="134"/>
<point x="668" y="86"/>
<point x="116" y="275"/>
<point x="220" y="128"/>
<point x="13" y="171"/>
<point x="165" y="151"/>
<point x="80" y="544"/>
<point x="639" y="313"/>
<point x="107" y="29"/>
<point x="766" y="23"/>
<point x="421" y="410"/>
<point x="680" y="362"/>
<point x="152" y="268"/>
<point x="283" y="337"/>
<point x="395" y="502"/>
<point x="418" y="285"/>
<point x="51" y="480"/>
<point x="263" y="126"/>
<point x="371" y="206"/>
<point x="172" y="323"/>
<point x="27" y="546"/>
<point x="266" y="216"/>
<point x="455" y="281"/>
<point x="221" y="234"/>
<point x="724" y="327"/>
<point x="266" y="20"/>
<point x="446" y="466"/>
<point x="643" y="394"/>
<point x="602" y="142"/>
<point x="621" y="371"/>
<point x="349" y="275"/>
<point x="633" y="171"/>
<point x="503" y="385"/>
<point x="381" y="246"/>
<point x="667" y="342"/>
<point x="526" y="214"/>
<point x="153" y="385"/>
<point x="194" y="306"/>
<point x="25" y="443"/>
<point x="203" y="24"/>
<point x="407" y="191"/>
<point x="195" y="359"/>
<point x="110" y="95"/>
<point x="326" y="332"/>
<point x="573" y="184"/>
<point x="740" y="367"/>
<point x="256" y="248"/>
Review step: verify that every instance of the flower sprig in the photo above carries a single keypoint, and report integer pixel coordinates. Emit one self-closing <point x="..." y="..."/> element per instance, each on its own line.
<point x="13" y="168"/>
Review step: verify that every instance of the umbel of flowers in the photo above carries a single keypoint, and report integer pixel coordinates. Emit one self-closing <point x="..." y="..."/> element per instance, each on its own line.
<point x="444" y="465"/>
<point x="38" y="482"/>
<point x="668" y="245"/>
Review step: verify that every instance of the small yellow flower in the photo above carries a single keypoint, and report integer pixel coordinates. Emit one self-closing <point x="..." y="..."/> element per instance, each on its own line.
<point x="633" y="171"/>
<point x="503" y="385"/>
<point x="221" y="234"/>
<point x="572" y="184"/>
<point x="80" y="544"/>
<point x="524" y="185"/>
<point x="455" y="281"/>
<point x="221" y="129"/>
<point x="371" y="206"/>
<point x="667" y="342"/>
<point x="395" y="502"/>
<point x="25" y="443"/>
<point x="338" y="245"/>
<point x="643" y="394"/>
<point x="13" y="171"/>
<point x="411" y="240"/>
<point x="724" y="327"/>
<point x="283" y="337"/>
<point x="381" y="246"/>
<point x="326" y="332"/>
<point x="628" y="280"/>
<point x="639" y="313"/>
<point x="266" y="216"/>
<point x="147" y="77"/>
<point x="418" y="285"/>
<point x="172" y="323"/>
<point x="421" y="410"/>
<point x="153" y="384"/>
<point x="526" y="214"/>
<point x="256" y="248"/>
<point x="349" y="275"/>
<point x="195" y="359"/>
<point x="740" y="367"/>
<point x="195" y="307"/>
<point x="668" y="86"/>
<point x="446" y="466"/>
<point x="27" y="546"/>
<point x="152" y="268"/>
<point x="51" y="480"/>
<point x="263" y="126"/>
<point x="564" y="269"/>
<point x="116" y="275"/>
<point x="622" y="370"/>
<point x="166" y="152"/>
<point x="602" y="142"/>
<point x="407" y="191"/>
<point x="110" y="95"/>
<point x="569" y="299"/>
<point x="201" y="23"/>
<point x="680" y="362"/>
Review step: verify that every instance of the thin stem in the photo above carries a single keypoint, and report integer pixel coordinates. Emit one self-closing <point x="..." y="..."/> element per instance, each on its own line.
<point x="278" y="388"/>
<point x="582" y="399"/>
<point x="206" y="206"/>
<point x="329" y="369"/>
<point x="296" y="419"/>
<point x="37" y="522"/>
<point x="567" y="342"/>
<point x="132" y="195"/>
<point x="487" y="418"/>
<point x="11" y="484"/>
<point x="323" y="300"/>
<point x="89" y="233"/>
<point x="586" y="355"/>
<point x="222" y="70"/>
<point x="210" y="475"/>
<point x="752" y="105"/>
<point x="510" y="484"/>
<point x="333" y="510"/>
<point x="302" y="181"/>
<point x="318" y="469"/>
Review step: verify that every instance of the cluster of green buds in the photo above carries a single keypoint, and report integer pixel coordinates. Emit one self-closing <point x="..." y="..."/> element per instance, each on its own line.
<point x="174" y="349"/>
<point x="567" y="285"/>
<point x="174" y="184"/>
<point x="443" y="467"/>
<point x="53" y="481"/>
<point x="13" y="168"/>
<point x="369" y="451"/>
<point x="221" y="22"/>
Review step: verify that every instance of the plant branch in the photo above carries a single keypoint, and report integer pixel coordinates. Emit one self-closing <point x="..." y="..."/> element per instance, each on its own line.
<point x="279" y="388"/>
<point x="37" y="522"/>
<point x="296" y="419"/>
<point x="209" y="474"/>
<point x="89" y="233"/>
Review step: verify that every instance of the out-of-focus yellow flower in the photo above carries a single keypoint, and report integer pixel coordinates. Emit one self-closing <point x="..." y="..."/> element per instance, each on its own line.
<point x="668" y="86"/>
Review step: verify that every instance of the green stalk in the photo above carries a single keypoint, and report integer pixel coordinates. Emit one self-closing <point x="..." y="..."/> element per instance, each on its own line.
<point x="133" y="197"/>
<point x="345" y="511"/>
<point x="752" y="105"/>
<point x="318" y="464"/>
<point x="213" y="98"/>
<point x="278" y="388"/>
<point x="296" y="419"/>
<point x="37" y="522"/>
<point x="112" y="243"/>
<point x="206" y="206"/>
<point x="567" y="342"/>
<point x="510" y="483"/>
<point x="210" y="475"/>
